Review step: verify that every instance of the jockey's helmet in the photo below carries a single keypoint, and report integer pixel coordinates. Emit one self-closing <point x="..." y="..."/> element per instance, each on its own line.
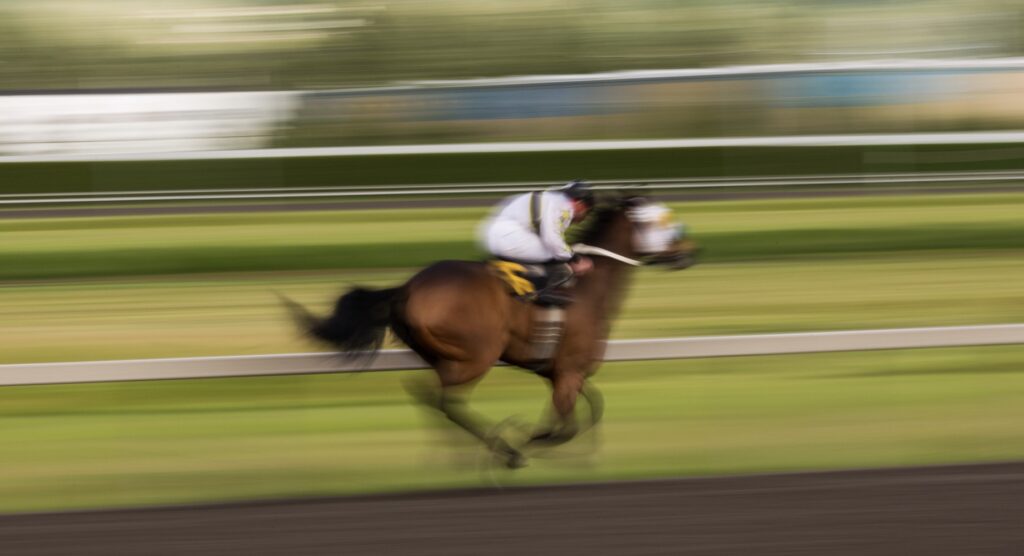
<point x="578" y="190"/>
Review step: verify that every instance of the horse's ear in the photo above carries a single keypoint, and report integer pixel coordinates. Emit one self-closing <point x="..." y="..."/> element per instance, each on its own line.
<point x="604" y="201"/>
<point x="632" y="196"/>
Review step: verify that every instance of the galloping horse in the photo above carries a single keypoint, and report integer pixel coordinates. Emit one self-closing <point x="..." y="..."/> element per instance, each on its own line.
<point x="461" y="319"/>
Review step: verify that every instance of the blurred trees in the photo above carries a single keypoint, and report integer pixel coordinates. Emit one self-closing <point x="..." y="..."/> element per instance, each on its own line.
<point x="275" y="44"/>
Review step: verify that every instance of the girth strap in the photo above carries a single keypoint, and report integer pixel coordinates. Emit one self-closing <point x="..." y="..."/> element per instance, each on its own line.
<point x="548" y="324"/>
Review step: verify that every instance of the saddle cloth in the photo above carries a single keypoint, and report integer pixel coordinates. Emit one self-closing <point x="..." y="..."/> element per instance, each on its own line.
<point x="523" y="279"/>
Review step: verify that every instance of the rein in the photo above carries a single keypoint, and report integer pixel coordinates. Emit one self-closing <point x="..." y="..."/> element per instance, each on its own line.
<point x="584" y="249"/>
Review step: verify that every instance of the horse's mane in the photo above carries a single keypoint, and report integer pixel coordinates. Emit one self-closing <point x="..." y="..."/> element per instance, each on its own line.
<point x="596" y="224"/>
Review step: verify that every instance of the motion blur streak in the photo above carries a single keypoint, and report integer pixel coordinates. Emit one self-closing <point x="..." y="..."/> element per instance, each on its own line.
<point x="166" y="168"/>
<point x="135" y="76"/>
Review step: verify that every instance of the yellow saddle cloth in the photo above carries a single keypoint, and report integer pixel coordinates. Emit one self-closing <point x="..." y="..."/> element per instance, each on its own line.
<point x="514" y="275"/>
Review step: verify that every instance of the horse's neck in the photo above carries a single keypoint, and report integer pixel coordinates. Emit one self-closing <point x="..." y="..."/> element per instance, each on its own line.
<point x="605" y="286"/>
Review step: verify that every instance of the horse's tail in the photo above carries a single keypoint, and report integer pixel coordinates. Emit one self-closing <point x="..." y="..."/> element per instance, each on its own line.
<point x="357" y="326"/>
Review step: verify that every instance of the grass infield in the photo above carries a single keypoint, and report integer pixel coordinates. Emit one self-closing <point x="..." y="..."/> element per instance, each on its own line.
<point x="171" y="286"/>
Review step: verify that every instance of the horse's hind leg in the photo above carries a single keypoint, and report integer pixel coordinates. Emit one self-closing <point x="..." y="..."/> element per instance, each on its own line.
<point x="454" y="407"/>
<point x="450" y="400"/>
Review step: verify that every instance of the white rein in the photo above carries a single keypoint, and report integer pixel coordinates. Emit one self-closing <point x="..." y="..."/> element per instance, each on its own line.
<point x="584" y="249"/>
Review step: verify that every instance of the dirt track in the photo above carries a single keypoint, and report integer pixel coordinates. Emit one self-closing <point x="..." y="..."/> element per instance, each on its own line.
<point x="963" y="510"/>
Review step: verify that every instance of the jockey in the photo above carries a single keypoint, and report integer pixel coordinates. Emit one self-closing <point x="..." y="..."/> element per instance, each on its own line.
<point x="530" y="228"/>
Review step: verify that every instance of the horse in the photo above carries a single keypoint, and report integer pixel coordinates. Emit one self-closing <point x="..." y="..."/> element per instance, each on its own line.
<point x="461" y="319"/>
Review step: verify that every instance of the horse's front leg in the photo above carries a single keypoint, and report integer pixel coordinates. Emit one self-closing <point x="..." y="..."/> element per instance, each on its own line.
<point x="566" y="388"/>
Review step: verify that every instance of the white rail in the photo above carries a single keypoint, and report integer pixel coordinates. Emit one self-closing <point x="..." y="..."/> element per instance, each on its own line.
<point x="948" y="138"/>
<point x="746" y="71"/>
<point x="624" y="350"/>
<point x="999" y="176"/>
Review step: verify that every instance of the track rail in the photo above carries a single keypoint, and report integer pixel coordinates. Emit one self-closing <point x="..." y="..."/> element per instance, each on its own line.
<point x="905" y="178"/>
<point x="856" y="139"/>
<point x="620" y="350"/>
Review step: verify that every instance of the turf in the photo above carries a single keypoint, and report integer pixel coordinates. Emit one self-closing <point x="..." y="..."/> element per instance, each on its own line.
<point x="203" y="285"/>
<point x="239" y="313"/>
<point x="728" y="231"/>
<point x="215" y="440"/>
<point x="497" y="167"/>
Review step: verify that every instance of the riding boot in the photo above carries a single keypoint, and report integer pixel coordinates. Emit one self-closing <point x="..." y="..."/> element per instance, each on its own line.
<point x="554" y="293"/>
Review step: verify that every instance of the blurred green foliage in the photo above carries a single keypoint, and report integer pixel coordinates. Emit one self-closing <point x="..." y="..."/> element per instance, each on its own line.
<point x="296" y="44"/>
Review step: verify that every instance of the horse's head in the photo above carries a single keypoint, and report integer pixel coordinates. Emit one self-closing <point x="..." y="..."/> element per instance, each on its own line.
<point x="658" y="237"/>
<point x="636" y="227"/>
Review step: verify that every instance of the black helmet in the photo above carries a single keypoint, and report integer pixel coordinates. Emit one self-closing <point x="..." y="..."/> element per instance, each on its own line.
<point x="578" y="190"/>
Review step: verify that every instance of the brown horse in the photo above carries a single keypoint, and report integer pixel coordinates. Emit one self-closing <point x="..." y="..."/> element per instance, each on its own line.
<point x="461" y="319"/>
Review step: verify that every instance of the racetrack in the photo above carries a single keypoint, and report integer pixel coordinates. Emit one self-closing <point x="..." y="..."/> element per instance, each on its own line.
<point x="970" y="509"/>
<point x="157" y="208"/>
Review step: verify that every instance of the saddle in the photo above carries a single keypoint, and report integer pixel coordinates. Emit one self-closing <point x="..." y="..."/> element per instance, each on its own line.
<point x="540" y="283"/>
<point x="537" y="284"/>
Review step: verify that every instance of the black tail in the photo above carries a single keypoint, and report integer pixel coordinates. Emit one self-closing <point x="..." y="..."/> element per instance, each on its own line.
<point x="357" y="325"/>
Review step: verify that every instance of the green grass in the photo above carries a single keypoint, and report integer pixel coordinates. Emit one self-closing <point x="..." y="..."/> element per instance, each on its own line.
<point x="166" y="286"/>
<point x="729" y="232"/>
<point x="239" y="314"/>
<point x="495" y="167"/>
<point x="203" y="285"/>
<point x="178" y="442"/>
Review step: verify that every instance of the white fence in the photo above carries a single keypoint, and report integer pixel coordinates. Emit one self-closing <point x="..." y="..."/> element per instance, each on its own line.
<point x="903" y="178"/>
<point x="624" y="350"/>
<point x="947" y="138"/>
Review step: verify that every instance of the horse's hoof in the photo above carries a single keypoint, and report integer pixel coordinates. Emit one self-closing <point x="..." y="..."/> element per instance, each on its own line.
<point x="515" y="461"/>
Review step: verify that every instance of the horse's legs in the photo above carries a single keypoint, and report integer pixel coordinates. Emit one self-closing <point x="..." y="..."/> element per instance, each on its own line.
<point x="450" y="400"/>
<point x="566" y="388"/>
<point x="596" y="402"/>
<point x="454" y="407"/>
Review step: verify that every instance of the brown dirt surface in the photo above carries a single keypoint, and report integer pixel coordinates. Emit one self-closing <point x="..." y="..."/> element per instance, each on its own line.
<point x="955" y="510"/>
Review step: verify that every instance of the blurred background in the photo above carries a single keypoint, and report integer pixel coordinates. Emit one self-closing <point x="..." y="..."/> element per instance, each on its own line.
<point x="218" y="74"/>
<point x="166" y="166"/>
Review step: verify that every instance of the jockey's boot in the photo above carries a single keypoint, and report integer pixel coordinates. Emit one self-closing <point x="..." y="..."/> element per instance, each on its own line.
<point x="555" y="293"/>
